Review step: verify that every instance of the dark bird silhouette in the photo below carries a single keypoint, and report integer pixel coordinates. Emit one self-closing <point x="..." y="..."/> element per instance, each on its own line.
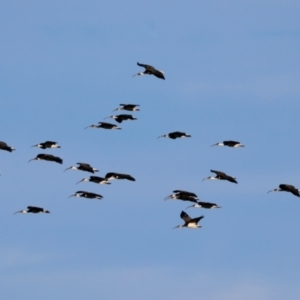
<point x="88" y="195"/>
<point x="95" y="179"/>
<point x="183" y="195"/>
<point x="113" y="175"/>
<point x="174" y="135"/>
<point x="129" y="107"/>
<point x="104" y="125"/>
<point x="83" y="167"/>
<point x="149" y="70"/>
<point x="33" y="209"/>
<point x="188" y="221"/>
<point x="47" y="144"/>
<point x="47" y="157"/>
<point x="206" y="205"/>
<point x="121" y="118"/>
<point x="221" y="176"/>
<point x="232" y="144"/>
<point x="4" y="146"/>
<point x="287" y="188"/>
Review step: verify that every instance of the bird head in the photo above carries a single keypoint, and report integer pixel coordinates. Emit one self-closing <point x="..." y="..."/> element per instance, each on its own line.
<point x="164" y="135"/>
<point x="178" y="226"/>
<point x="192" y="206"/>
<point x="170" y="197"/>
<point x="72" y="167"/>
<point x="217" y="144"/>
<point x="92" y="126"/>
<point x="21" y="211"/>
<point x="84" y="179"/>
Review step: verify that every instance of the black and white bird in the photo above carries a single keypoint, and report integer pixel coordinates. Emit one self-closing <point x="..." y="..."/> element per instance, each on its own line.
<point x="221" y="176"/>
<point x="121" y="118"/>
<point x="104" y="125"/>
<point x="47" y="157"/>
<point x="287" y="188"/>
<point x="83" y="167"/>
<point x="88" y="195"/>
<point x="113" y="175"/>
<point x="47" y="144"/>
<point x="33" y="209"/>
<point x="129" y="107"/>
<point x="174" y="135"/>
<point x="232" y="144"/>
<point x="183" y="195"/>
<point x="4" y="146"/>
<point x="149" y="70"/>
<point x="95" y="179"/>
<point x="188" y="221"/>
<point x="206" y="205"/>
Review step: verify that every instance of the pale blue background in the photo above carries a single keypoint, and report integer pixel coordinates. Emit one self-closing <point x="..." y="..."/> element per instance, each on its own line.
<point x="232" y="72"/>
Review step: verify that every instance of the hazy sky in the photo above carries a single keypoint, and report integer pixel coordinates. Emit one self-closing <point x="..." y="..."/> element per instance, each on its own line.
<point x="232" y="73"/>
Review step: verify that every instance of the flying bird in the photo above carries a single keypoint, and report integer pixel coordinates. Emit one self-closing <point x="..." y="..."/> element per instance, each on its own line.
<point x="104" y="125"/>
<point x="129" y="107"/>
<point x="188" y="221"/>
<point x="183" y="195"/>
<point x="83" y="167"/>
<point x="33" y="209"/>
<point x="221" y="176"/>
<point x="88" y="195"/>
<point x="149" y="70"/>
<point x="47" y="144"/>
<point x="113" y="175"/>
<point x="47" y="157"/>
<point x="95" y="179"/>
<point x="206" y="205"/>
<point x="121" y="118"/>
<point x="232" y="144"/>
<point x="174" y="135"/>
<point x="4" y="146"/>
<point x="287" y="188"/>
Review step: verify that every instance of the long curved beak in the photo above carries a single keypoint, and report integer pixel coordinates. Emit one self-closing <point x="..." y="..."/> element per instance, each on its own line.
<point x="80" y="180"/>
<point x="190" y="206"/>
<point x="32" y="159"/>
<point x="107" y="117"/>
<point x="178" y="226"/>
<point x="67" y="169"/>
<point x="19" y="211"/>
<point x="72" y="196"/>
<point x="33" y="146"/>
<point x="205" y="178"/>
<point x="270" y="191"/>
<point x="88" y="126"/>
<point x="160" y="136"/>
<point x="169" y="197"/>
<point x="215" y="144"/>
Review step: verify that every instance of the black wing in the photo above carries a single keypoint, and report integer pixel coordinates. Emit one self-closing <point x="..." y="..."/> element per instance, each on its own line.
<point x="219" y="173"/>
<point x="185" y="192"/>
<point x="185" y="217"/>
<point x="34" y="209"/>
<point x="124" y="176"/>
<point x="147" y="67"/>
<point x="110" y="175"/>
<point x="57" y="159"/>
<point x="196" y="220"/>
<point x="230" y="143"/>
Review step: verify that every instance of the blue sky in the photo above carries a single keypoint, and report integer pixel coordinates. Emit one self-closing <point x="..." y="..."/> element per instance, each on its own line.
<point x="232" y="73"/>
